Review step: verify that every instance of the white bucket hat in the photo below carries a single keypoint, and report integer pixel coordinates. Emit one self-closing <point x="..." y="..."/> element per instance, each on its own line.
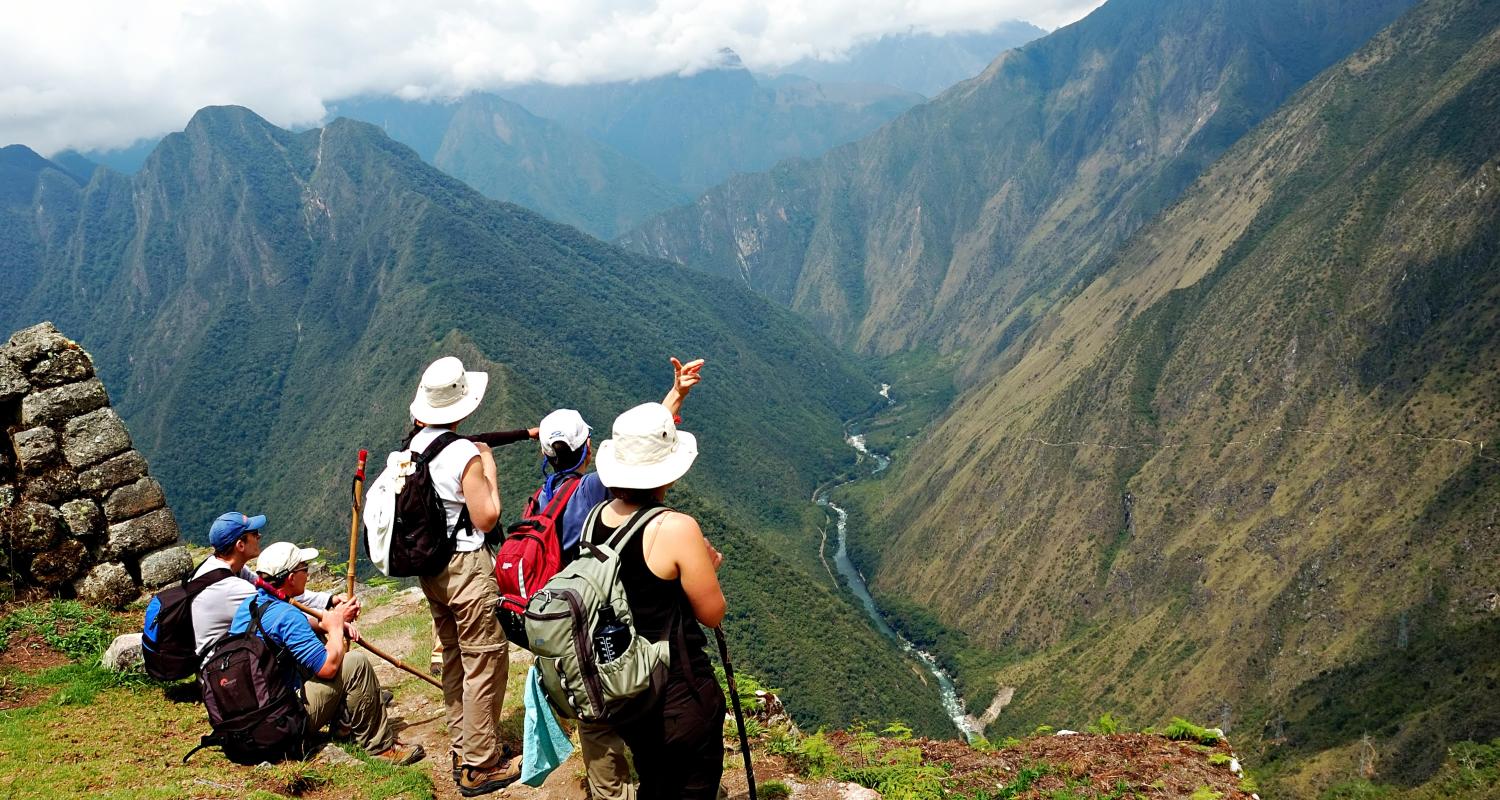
<point x="279" y="559"/>
<point x="645" y="450"/>
<point x="563" y="425"/>
<point x="448" y="393"/>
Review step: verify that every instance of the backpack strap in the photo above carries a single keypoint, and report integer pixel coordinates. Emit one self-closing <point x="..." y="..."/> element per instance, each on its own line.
<point x="424" y="459"/>
<point x="560" y="497"/>
<point x="195" y="586"/>
<point x="637" y="522"/>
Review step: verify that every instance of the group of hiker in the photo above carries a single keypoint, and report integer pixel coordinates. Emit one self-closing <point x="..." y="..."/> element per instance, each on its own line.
<point x="627" y="660"/>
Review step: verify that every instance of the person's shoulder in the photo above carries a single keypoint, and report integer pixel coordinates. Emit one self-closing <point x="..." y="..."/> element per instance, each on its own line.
<point x="675" y="526"/>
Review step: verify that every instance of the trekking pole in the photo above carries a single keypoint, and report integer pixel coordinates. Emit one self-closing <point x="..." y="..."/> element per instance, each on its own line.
<point x="739" y="715"/>
<point x="359" y="482"/>
<point x="315" y="613"/>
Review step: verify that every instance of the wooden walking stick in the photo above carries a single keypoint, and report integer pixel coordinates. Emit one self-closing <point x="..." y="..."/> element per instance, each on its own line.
<point x="359" y="483"/>
<point x="739" y="714"/>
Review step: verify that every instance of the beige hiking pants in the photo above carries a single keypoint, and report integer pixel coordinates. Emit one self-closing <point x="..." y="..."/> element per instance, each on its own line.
<point x="475" y="654"/>
<point x="604" y="762"/>
<point x="351" y="697"/>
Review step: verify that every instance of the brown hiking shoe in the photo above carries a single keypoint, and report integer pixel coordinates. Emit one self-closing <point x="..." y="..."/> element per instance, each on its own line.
<point x="402" y="755"/>
<point x="475" y="782"/>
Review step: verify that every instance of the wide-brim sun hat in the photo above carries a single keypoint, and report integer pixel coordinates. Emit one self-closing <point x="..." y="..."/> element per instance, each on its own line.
<point x="279" y="559"/>
<point x="448" y="392"/>
<point x="645" y="450"/>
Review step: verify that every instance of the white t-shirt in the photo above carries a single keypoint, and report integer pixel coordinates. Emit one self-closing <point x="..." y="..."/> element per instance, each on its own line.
<point x="214" y="607"/>
<point x="447" y="472"/>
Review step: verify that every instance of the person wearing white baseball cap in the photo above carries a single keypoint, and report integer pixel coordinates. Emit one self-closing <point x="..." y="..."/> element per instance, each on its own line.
<point x="462" y="597"/>
<point x="341" y="684"/>
<point x="567" y="451"/>
<point x="669" y="572"/>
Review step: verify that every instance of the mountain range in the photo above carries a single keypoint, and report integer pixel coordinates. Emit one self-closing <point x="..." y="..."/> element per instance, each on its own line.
<point x="261" y="302"/>
<point x="925" y="63"/>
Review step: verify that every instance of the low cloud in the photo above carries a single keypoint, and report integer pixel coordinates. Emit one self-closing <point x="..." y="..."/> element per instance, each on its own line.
<point x="103" y="74"/>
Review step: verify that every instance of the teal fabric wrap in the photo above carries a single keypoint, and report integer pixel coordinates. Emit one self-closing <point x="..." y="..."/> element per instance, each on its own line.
<point x="546" y="745"/>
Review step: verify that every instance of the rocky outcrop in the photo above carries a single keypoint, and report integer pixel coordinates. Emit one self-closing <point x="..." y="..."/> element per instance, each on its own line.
<point x="79" y="515"/>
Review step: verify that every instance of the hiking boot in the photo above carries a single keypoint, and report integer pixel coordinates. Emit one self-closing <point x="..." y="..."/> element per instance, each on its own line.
<point x="458" y="765"/>
<point x="475" y="782"/>
<point x="402" y="755"/>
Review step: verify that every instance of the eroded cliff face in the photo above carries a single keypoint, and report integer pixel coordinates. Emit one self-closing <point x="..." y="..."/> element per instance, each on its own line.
<point x="79" y="513"/>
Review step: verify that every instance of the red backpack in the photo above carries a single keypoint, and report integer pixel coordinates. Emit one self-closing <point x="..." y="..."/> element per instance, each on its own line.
<point x="530" y="555"/>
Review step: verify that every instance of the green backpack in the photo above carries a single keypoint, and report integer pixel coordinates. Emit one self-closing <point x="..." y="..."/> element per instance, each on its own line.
<point x="594" y="666"/>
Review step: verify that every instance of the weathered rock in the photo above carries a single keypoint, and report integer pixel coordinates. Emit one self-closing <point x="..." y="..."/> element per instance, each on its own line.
<point x="165" y="566"/>
<point x="37" y="449"/>
<point x="141" y="534"/>
<point x="13" y="383"/>
<point x="124" y="653"/>
<point x="108" y="585"/>
<point x="93" y="437"/>
<point x="853" y="791"/>
<point x="54" y="486"/>
<point x="60" y="563"/>
<point x="127" y="467"/>
<point x="69" y="366"/>
<point x="82" y="517"/>
<point x="133" y="500"/>
<point x="31" y="526"/>
<point x="334" y="756"/>
<point x="61" y="402"/>
<point x="8" y="497"/>
<point x="30" y="345"/>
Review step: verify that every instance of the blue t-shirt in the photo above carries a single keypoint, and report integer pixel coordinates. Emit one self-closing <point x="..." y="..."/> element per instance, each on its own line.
<point x="590" y="492"/>
<point x="287" y="627"/>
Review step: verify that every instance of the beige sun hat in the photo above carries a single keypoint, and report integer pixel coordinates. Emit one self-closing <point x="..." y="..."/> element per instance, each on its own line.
<point x="645" y="450"/>
<point x="448" y="393"/>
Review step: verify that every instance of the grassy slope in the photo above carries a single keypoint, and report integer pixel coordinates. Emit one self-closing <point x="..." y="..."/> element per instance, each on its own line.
<point x="268" y="300"/>
<point x="1237" y="474"/>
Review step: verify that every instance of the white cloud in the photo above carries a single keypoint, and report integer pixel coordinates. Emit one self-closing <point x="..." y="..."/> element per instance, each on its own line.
<point x="102" y="73"/>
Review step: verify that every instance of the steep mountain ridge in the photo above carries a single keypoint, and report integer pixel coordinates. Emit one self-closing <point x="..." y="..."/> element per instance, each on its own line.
<point x="262" y="302"/>
<point x="948" y="226"/>
<point x="1243" y="474"/>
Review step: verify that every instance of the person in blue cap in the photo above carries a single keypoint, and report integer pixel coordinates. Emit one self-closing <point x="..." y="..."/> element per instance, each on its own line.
<point x="235" y="538"/>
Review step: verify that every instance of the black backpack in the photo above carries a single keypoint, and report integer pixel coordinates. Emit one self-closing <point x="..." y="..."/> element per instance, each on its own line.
<point x="168" y="643"/>
<point x="255" y="715"/>
<point x="406" y="529"/>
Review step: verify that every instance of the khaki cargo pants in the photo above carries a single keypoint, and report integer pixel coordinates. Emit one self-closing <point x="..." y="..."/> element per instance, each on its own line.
<point x="351" y="697"/>
<point x="476" y="656"/>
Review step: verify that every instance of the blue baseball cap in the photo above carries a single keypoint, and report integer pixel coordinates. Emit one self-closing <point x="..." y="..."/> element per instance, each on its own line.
<point x="230" y="526"/>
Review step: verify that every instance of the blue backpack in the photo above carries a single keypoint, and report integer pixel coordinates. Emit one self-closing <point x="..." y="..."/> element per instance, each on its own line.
<point x="167" y="639"/>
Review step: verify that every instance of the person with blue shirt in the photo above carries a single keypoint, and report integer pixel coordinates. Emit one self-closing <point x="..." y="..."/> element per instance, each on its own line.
<point x="568" y="450"/>
<point x="337" y="684"/>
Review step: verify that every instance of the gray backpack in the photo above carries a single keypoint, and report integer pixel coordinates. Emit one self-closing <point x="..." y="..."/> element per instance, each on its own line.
<point x="593" y="664"/>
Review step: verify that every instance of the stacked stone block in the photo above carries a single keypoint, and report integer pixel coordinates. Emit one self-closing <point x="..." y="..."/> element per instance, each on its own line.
<point x="79" y="512"/>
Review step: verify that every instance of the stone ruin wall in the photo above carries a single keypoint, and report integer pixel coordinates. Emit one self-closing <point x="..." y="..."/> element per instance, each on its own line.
<point x="79" y="513"/>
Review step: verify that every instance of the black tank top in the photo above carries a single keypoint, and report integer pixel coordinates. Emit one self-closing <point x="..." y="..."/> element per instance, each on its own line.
<point x="657" y="605"/>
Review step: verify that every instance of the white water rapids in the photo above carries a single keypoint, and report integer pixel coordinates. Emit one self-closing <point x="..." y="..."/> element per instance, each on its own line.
<point x="953" y="705"/>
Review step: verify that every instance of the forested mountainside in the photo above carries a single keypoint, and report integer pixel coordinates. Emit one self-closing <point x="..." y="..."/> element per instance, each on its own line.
<point x="1247" y="473"/>
<point x="509" y="154"/>
<point x="260" y="304"/>
<point x="925" y="63"/>
<point x="694" y="131"/>
<point x="951" y="225"/>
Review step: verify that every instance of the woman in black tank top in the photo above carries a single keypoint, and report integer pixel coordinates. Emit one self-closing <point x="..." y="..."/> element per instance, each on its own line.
<point x="669" y="574"/>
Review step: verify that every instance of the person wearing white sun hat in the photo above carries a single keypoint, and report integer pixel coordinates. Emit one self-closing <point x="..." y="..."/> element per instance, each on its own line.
<point x="669" y="573"/>
<point x="462" y="597"/>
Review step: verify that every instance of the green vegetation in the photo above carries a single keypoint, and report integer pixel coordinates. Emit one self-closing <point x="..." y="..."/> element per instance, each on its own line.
<point x="81" y="730"/>
<point x="1182" y="730"/>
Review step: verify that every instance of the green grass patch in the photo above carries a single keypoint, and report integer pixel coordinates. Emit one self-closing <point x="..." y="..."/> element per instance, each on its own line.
<point x="67" y="626"/>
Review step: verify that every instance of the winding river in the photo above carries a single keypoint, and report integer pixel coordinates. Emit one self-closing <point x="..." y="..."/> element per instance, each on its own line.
<point x="953" y="705"/>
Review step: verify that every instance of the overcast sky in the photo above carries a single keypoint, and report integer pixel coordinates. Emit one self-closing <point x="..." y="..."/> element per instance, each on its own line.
<point x="82" y="74"/>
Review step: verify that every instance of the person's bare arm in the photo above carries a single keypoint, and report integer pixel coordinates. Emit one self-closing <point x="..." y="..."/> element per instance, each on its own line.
<point x="481" y="490"/>
<point x="684" y="378"/>
<point x="679" y="550"/>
